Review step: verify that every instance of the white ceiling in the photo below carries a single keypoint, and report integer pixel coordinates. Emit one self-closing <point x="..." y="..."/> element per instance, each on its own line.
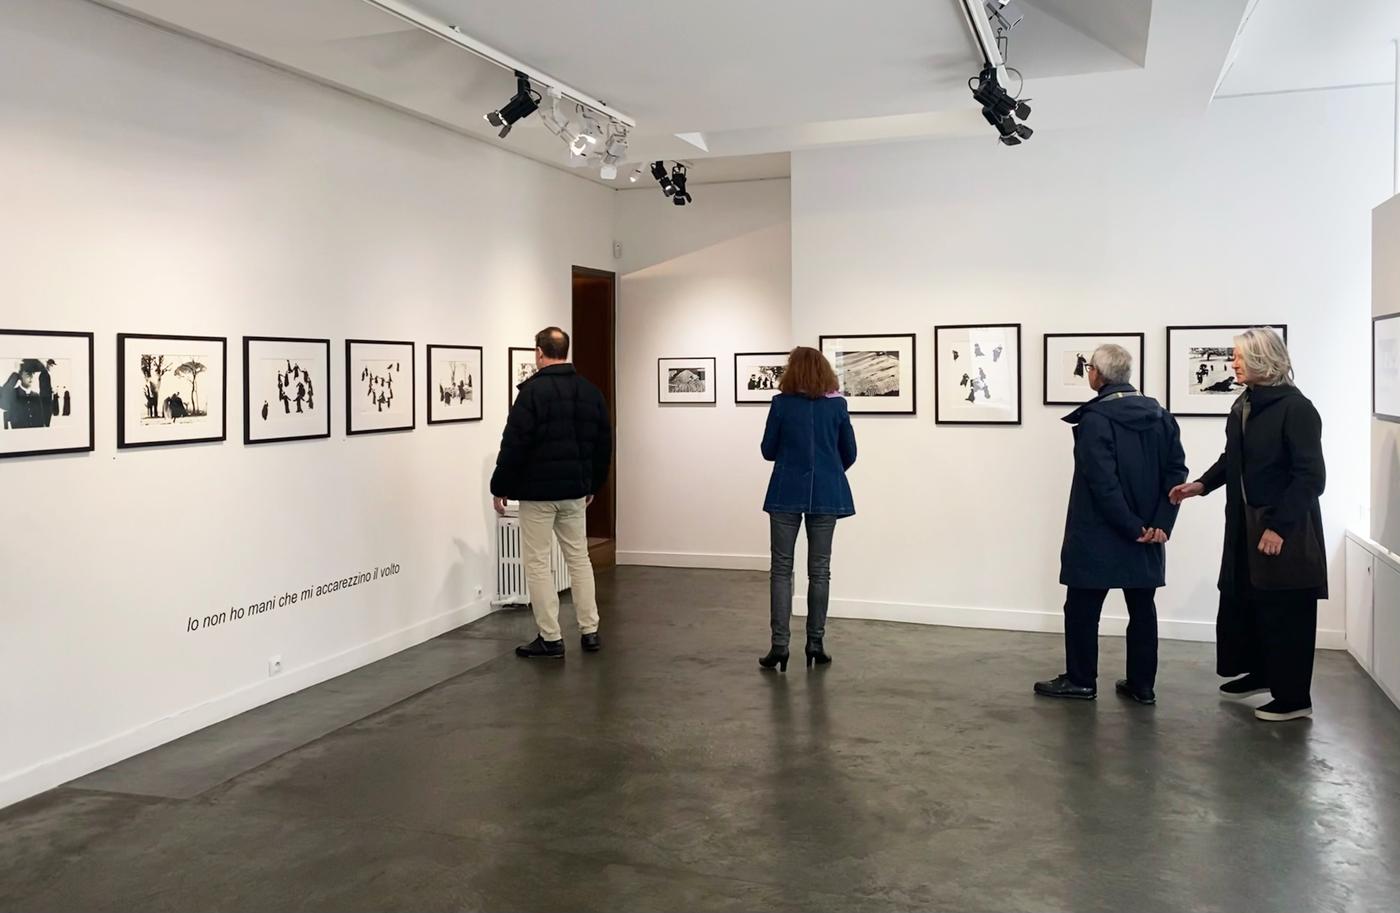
<point x="1292" y="45"/>
<point x="758" y="77"/>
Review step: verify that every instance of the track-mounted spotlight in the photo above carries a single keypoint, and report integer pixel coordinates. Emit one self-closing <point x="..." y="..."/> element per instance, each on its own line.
<point x="522" y="104"/>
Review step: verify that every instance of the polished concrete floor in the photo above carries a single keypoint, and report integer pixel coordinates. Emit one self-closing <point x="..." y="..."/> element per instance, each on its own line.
<point x="668" y="773"/>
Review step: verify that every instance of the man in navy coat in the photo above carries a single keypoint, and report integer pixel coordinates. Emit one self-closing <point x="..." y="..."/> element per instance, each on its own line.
<point x="1127" y="458"/>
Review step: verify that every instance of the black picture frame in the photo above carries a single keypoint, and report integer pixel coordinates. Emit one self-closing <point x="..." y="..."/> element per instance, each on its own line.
<point x="738" y="355"/>
<point x="428" y="384"/>
<point x="511" y="382"/>
<point x="913" y="368"/>
<point x="938" y="418"/>
<point x="122" y="442"/>
<point x="1375" y="406"/>
<point x="327" y="396"/>
<point x="1235" y="329"/>
<point x="1140" y="355"/>
<point x="92" y="394"/>
<point x="350" y="344"/>
<point x="714" y="380"/>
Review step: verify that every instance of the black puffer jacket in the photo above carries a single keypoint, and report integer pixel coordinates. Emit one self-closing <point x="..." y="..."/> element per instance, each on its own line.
<point x="557" y="445"/>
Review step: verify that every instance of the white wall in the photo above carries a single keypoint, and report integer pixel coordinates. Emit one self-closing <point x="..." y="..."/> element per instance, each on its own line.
<point x="1256" y="212"/>
<point x="711" y="279"/>
<point x="1385" y="436"/>
<point x="154" y="184"/>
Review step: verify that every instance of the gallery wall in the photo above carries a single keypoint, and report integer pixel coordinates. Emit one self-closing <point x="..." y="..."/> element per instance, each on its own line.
<point x="158" y="185"/>
<point x="1258" y="211"/>
<point x="711" y="279"/>
<point x="1385" y="436"/>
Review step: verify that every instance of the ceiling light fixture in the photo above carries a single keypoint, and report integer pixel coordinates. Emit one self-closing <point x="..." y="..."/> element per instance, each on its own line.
<point x="522" y="104"/>
<point x="1000" y="108"/>
<point x="679" y="195"/>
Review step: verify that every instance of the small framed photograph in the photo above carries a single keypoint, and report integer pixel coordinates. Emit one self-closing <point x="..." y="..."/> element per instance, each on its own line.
<point x="757" y="375"/>
<point x="1385" y="367"/>
<point x="379" y="386"/>
<point x="454" y="384"/>
<point x="876" y="371"/>
<point x="685" y="380"/>
<point x="171" y="389"/>
<point x="977" y="374"/>
<point x="1200" y="369"/>
<point x="1067" y="364"/>
<point x="286" y="389"/>
<point x="521" y="365"/>
<point x="47" y="393"/>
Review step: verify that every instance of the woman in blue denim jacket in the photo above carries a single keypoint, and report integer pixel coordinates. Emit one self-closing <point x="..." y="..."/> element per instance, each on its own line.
<point x="810" y="441"/>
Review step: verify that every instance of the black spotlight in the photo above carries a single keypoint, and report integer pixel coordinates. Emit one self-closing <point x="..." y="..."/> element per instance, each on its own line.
<point x="680" y="197"/>
<point x="658" y="171"/>
<point x="1000" y="109"/>
<point x="522" y="104"/>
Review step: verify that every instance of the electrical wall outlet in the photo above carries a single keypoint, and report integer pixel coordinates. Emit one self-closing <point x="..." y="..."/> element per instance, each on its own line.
<point x="274" y="666"/>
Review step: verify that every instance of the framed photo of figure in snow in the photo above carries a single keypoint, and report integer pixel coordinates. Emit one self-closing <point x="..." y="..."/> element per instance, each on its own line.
<point x="757" y="375"/>
<point x="520" y="367"/>
<point x="977" y="374"/>
<point x="379" y="387"/>
<point x="171" y="389"/>
<point x="454" y="384"/>
<point x="1201" y="369"/>
<point x="1067" y="364"/>
<point x="685" y="380"/>
<point x="286" y="389"/>
<point x="47" y="391"/>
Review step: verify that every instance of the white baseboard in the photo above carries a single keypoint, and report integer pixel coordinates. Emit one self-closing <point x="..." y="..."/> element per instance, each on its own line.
<point x="82" y="761"/>
<point x="1022" y="620"/>
<point x="694" y="559"/>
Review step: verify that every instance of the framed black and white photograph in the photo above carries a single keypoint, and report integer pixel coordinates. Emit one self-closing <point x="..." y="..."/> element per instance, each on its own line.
<point x="521" y="367"/>
<point x="757" y="375"/>
<point x="685" y="380"/>
<point x="286" y="389"/>
<point x="977" y="374"/>
<point x="1201" y="369"/>
<point x="1385" y="367"/>
<point x="454" y="384"/>
<point x="171" y="389"/>
<point x="876" y="372"/>
<point x="379" y="386"/>
<point x="1067" y="364"/>
<point x="46" y="397"/>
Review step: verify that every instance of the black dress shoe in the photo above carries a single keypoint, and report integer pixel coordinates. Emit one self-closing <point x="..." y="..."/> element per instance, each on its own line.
<point x="539" y="647"/>
<point x="1245" y="685"/>
<point x="1061" y="686"/>
<point x="1281" y="712"/>
<point x="591" y="643"/>
<point x="1141" y="695"/>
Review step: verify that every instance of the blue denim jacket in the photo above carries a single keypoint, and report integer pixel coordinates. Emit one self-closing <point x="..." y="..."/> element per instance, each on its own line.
<point x="812" y="444"/>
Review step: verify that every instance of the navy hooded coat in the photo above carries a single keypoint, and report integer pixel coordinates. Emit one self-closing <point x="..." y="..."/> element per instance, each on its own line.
<point x="1127" y="458"/>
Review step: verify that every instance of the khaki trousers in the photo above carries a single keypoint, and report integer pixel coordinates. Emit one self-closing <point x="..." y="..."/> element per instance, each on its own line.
<point x="567" y="520"/>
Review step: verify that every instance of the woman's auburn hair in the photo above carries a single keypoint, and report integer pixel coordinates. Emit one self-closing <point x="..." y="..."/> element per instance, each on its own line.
<point x="808" y="374"/>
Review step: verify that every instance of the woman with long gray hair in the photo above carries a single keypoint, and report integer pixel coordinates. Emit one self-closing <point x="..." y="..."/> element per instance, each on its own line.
<point x="1274" y="568"/>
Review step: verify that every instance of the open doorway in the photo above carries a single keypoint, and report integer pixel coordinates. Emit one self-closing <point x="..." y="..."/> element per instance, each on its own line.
<point x="594" y="323"/>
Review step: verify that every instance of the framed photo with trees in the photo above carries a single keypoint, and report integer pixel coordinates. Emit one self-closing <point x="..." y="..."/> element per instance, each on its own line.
<point x="454" y="384"/>
<point x="1200" y="369"/>
<point x="171" y="389"/>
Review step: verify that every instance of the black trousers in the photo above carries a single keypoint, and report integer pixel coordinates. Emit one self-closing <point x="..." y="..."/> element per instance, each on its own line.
<point x="1082" y="611"/>
<point x="1272" y="634"/>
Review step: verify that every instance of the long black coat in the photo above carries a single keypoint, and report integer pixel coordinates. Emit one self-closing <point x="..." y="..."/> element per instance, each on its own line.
<point x="1127" y="458"/>
<point x="557" y="444"/>
<point x="1279" y="461"/>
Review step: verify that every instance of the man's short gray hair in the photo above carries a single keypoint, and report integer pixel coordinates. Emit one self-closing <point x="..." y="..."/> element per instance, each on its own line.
<point x="1265" y="356"/>
<point x="1114" y="363"/>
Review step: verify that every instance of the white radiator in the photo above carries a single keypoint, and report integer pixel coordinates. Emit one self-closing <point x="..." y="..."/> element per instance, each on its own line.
<point x="510" y="562"/>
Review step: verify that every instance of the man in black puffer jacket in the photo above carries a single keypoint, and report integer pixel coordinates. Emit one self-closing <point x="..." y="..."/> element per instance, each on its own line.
<point x="555" y="455"/>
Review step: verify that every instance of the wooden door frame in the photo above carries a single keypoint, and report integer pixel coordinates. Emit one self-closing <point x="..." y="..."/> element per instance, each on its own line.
<point x="611" y="392"/>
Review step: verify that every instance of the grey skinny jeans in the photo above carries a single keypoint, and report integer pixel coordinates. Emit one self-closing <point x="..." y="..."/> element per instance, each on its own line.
<point x="783" y="530"/>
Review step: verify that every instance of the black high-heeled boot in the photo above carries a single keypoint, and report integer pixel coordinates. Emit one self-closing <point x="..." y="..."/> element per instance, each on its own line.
<point x="816" y="654"/>
<point x="777" y="656"/>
